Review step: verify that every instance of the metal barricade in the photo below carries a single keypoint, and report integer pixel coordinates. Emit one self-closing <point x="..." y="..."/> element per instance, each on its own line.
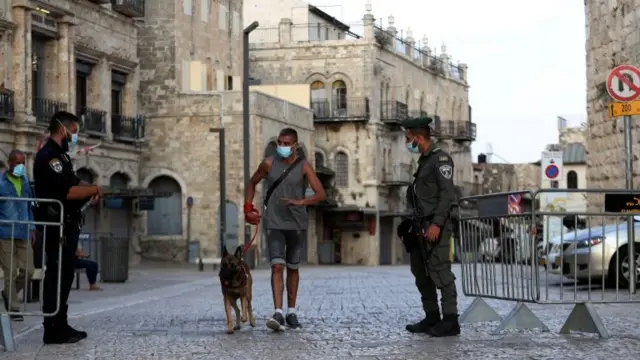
<point x="580" y="248"/>
<point x="7" y="337"/>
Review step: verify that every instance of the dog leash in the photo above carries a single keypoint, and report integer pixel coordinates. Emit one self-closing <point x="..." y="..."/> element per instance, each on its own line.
<point x="247" y="246"/>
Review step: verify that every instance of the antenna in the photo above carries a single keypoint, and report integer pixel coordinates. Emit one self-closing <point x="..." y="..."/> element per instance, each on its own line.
<point x="489" y="151"/>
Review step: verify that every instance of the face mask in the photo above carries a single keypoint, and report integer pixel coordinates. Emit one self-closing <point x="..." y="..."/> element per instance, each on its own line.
<point x="413" y="147"/>
<point x="74" y="139"/>
<point x="284" y="151"/>
<point x="19" y="170"/>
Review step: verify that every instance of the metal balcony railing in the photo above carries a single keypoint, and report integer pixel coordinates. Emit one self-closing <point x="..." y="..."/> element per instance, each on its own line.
<point x="455" y="130"/>
<point x="340" y="110"/>
<point x="43" y="109"/>
<point x="93" y="121"/>
<point x="131" y="8"/>
<point x="393" y="112"/>
<point x="6" y="104"/>
<point x="127" y="128"/>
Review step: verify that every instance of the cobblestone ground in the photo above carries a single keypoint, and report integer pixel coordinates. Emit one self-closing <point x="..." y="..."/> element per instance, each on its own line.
<point x="352" y="313"/>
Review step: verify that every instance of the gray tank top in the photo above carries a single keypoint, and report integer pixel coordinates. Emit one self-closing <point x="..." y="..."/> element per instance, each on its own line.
<point x="278" y="215"/>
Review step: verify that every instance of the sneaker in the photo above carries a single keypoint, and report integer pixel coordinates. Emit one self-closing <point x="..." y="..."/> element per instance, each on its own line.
<point x="55" y="336"/>
<point x="276" y="322"/>
<point x="292" y="321"/>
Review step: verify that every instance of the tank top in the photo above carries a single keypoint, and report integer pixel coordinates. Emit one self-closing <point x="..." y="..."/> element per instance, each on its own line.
<point x="278" y="215"/>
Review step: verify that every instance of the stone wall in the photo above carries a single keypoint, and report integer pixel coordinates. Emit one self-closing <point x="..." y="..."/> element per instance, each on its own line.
<point x="573" y="135"/>
<point x="612" y="40"/>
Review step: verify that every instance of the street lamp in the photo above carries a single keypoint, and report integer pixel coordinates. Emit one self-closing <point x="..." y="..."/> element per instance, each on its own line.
<point x="246" y="144"/>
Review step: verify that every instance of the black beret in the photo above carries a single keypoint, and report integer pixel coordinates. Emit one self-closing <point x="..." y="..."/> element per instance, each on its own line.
<point x="417" y="123"/>
<point x="61" y="116"/>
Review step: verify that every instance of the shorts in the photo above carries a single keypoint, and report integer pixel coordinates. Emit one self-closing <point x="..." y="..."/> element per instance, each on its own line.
<point x="285" y="247"/>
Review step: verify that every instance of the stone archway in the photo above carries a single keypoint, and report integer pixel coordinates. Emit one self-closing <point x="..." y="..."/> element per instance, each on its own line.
<point x="166" y="217"/>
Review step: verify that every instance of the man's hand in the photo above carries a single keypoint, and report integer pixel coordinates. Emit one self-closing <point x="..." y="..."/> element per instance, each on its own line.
<point x="293" y="202"/>
<point x="433" y="232"/>
<point x="251" y="214"/>
<point x="95" y="199"/>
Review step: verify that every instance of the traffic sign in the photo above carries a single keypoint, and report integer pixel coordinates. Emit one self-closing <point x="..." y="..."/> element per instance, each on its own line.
<point x="623" y="83"/>
<point x="618" y="109"/>
<point x="514" y="199"/>
<point x="551" y="165"/>
<point x="515" y="209"/>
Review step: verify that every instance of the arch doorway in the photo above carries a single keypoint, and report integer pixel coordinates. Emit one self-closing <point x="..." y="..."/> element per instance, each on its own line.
<point x="121" y="215"/>
<point x="166" y="217"/>
<point x="90" y="215"/>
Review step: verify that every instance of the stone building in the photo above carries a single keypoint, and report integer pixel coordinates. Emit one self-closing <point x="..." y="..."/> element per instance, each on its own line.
<point x="78" y="56"/>
<point x="363" y="84"/>
<point x="191" y="75"/>
<point x="611" y="31"/>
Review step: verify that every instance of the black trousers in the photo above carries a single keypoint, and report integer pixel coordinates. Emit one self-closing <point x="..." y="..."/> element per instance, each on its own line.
<point x="67" y="271"/>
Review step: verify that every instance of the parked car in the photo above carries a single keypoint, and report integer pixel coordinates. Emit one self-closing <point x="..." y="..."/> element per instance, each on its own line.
<point x="593" y="252"/>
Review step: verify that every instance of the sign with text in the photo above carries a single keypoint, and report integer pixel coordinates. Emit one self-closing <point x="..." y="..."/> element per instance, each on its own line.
<point x="620" y="109"/>
<point x="622" y="203"/>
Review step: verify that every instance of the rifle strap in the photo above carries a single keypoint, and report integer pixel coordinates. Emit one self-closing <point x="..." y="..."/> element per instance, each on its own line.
<point x="279" y="180"/>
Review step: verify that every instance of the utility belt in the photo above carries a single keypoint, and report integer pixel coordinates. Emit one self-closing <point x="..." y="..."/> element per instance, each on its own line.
<point x="51" y="213"/>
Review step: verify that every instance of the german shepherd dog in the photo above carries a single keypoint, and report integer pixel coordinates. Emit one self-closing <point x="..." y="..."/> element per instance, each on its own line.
<point x="236" y="282"/>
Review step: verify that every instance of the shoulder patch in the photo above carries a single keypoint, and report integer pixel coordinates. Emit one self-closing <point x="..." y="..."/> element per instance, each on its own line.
<point x="443" y="158"/>
<point x="56" y="165"/>
<point x="446" y="171"/>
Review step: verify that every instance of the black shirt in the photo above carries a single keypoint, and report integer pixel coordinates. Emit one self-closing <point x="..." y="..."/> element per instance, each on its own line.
<point x="53" y="176"/>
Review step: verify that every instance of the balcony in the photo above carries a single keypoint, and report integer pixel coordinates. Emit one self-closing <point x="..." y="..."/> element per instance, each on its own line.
<point x="127" y="128"/>
<point x="393" y="112"/>
<point x="418" y="114"/>
<point x="340" y="110"/>
<point x="6" y="104"/>
<point x="94" y="122"/>
<point x="43" y="109"/>
<point x="454" y="130"/>
<point x="397" y="175"/>
<point x="131" y="8"/>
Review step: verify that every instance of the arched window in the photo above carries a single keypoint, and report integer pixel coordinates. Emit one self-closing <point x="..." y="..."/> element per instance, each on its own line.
<point x="342" y="169"/>
<point x="85" y="175"/>
<point x="166" y="217"/>
<point x="319" y="159"/>
<point x="572" y="180"/>
<point x="339" y="95"/>
<point x="119" y="180"/>
<point x="318" y="91"/>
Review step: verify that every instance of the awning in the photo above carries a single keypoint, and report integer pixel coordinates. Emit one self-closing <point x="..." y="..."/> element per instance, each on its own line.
<point x="114" y="192"/>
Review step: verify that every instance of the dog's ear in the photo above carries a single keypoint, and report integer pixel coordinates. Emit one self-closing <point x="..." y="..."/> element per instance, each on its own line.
<point x="238" y="252"/>
<point x="225" y="252"/>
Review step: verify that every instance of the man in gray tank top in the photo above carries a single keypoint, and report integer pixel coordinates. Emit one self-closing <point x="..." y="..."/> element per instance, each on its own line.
<point x="285" y="219"/>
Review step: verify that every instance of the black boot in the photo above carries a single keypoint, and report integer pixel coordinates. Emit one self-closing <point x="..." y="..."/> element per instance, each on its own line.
<point x="56" y="333"/>
<point x="449" y="326"/>
<point x="431" y="319"/>
<point x="67" y="328"/>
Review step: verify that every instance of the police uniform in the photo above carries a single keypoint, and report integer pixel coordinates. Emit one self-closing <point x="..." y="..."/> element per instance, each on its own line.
<point x="53" y="177"/>
<point x="431" y="197"/>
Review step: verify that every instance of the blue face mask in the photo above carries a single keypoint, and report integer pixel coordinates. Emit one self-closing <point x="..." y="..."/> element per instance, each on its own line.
<point x="413" y="147"/>
<point x="284" y="151"/>
<point x="74" y="139"/>
<point x="19" y="170"/>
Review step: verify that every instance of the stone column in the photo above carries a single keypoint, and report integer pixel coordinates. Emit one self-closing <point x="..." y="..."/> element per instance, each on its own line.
<point x="426" y="50"/>
<point x="368" y="21"/>
<point x="464" y="68"/>
<point x="21" y="62"/>
<point x="410" y="43"/>
<point x="444" y="60"/>
<point x="66" y="66"/>
<point x="284" y="30"/>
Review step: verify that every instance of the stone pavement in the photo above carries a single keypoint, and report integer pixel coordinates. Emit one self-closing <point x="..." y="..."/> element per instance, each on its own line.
<point x="352" y="313"/>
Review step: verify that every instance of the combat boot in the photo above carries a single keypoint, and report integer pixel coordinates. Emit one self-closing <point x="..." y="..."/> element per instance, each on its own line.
<point x="431" y="319"/>
<point x="449" y="326"/>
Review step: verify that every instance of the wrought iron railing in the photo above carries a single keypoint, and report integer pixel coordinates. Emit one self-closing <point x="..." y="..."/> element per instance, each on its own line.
<point x="93" y="120"/>
<point x="132" y="8"/>
<point x="6" y="104"/>
<point x="127" y="128"/>
<point x="456" y="130"/>
<point x="393" y="111"/>
<point x="43" y="109"/>
<point x="340" y="109"/>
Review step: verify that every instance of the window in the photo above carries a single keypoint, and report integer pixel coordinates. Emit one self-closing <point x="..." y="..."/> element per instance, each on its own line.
<point x="205" y="10"/>
<point x="188" y="7"/>
<point x="572" y="180"/>
<point x="222" y="17"/>
<point x="319" y="160"/>
<point x="342" y="169"/>
<point x="83" y="71"/>
<point x="318" y="91"/>
<point x="118" y="81"/>
<point x="196" y="76"/>
<point x="339" y="95"/>
<point x="229" y="82"/>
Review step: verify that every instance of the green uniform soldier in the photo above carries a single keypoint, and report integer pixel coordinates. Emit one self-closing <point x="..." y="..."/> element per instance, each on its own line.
<point x="427" y="234"/>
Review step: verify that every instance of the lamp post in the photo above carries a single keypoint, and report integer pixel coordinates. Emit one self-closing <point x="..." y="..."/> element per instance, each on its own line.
<point x="246" y="144"/>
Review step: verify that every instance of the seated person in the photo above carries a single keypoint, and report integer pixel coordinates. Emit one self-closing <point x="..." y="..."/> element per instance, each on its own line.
<point x="90" y="267"/>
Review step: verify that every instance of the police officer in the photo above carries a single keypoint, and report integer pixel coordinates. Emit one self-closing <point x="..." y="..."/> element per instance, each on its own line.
<point x="54" y="178"/>
<point x="427" y="234"/>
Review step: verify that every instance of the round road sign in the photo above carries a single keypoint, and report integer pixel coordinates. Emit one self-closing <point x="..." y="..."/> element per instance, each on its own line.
<point x="514" y="199"/>
<point x="623" y="83"/>
<point x="551" y="171"/>
<point x="514" y="209"/>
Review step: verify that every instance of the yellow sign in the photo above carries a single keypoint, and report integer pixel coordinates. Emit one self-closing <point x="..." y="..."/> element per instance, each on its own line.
<point x="542" y="262"/>
<point x="619" y="109"/>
